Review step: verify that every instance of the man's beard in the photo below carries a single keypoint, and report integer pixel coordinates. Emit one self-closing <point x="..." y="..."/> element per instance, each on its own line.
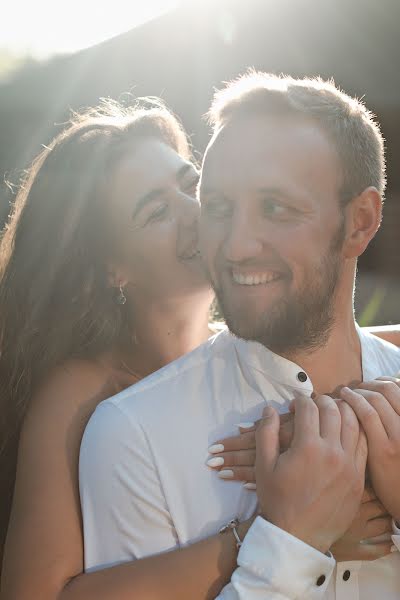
<point x="301" y="321"/>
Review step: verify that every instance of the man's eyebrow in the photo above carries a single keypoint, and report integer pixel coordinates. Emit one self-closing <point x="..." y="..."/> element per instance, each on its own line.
<point x="207" y="189"/>
<point x="270" y="190"/>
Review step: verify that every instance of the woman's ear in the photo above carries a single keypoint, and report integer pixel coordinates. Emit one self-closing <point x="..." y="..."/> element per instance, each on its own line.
<point x="117" y="277"/>
<point x="363" y="219"/>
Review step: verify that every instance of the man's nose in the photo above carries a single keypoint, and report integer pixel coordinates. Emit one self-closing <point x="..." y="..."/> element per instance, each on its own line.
<point x="244" y="239"/>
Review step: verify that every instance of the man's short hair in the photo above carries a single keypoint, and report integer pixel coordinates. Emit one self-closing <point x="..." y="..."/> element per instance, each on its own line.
<point x="349" y="124"/>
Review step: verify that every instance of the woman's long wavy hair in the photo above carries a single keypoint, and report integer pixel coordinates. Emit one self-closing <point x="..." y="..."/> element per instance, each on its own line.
<point x="56" y="302"/>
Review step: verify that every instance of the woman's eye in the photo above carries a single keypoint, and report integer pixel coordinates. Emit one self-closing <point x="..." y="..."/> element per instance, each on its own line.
<point x="158" y="213"/>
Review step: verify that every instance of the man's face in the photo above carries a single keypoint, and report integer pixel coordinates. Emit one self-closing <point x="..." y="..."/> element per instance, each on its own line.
<point x="272" y="229"/>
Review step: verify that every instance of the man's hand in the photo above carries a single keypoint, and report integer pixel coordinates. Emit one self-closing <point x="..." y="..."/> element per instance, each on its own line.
<point x="312" y="490"/>
<point x="370" y="521"/>
<point x="377" y="406"/>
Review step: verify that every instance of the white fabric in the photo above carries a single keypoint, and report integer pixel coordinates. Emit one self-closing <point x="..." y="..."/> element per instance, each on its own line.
<point x="292" y="574"/>
<point x="145" y="487"/>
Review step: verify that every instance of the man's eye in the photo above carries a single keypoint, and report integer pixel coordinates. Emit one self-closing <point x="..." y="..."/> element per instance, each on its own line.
<point x="275" y="209"/>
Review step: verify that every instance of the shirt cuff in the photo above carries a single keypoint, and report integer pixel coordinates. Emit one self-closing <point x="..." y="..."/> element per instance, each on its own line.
<point x="287" y="564"/>
<point x="396" y="536"/>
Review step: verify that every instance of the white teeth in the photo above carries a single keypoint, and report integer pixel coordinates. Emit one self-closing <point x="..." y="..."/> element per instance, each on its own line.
<point x="259" y="278"/>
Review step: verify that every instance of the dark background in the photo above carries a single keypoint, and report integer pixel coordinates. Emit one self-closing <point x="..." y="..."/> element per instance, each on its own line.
<point x="182" y="55"/>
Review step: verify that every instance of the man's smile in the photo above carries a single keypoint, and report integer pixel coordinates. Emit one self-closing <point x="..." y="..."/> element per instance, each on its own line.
<point x="255" y="278"/>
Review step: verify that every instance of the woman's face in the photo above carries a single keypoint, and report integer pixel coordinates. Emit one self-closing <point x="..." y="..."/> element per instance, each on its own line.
<point x="154" y="213"/>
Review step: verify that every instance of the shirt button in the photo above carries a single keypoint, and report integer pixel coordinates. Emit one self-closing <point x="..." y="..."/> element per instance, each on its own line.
<point x="321" y="580"/>
<point x="301" y="376"/>
<point x="346" y="575"/>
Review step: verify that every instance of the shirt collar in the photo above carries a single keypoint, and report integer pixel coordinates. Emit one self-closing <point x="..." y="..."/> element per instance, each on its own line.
<point x="288" y="373"/>
<point x="273" y="366"/>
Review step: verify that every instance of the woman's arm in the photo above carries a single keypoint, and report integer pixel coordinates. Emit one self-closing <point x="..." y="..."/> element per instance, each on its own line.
<point x="198" y="572"/>
<point x="390" y="333"/>
<point x="44" y="549"/>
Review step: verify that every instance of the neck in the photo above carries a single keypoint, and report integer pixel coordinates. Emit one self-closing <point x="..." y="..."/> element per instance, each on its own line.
<point x="338" y="361"/>
<point x="164" y="332"/>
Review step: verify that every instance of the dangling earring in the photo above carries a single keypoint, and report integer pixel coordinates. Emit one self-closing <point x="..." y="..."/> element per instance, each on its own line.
<point x="121" y="298"/>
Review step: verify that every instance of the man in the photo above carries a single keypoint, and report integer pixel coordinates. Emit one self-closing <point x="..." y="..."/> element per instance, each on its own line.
<point x="291" y="194"/>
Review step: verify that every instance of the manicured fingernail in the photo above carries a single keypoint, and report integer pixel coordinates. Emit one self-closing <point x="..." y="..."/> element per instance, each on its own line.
<point x="250" y="486"/>
<point x="246" y="425"/>
<point x="393" y="548"/>
<point x="217" y="461"/>
<point x="346" y="389"/>
<point x="225" y="474"/>
<point x="216" y="448"/>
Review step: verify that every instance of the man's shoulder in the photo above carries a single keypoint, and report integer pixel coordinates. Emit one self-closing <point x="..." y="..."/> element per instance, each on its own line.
<point x="379" y="357"/>
<point x="178" y="378"/>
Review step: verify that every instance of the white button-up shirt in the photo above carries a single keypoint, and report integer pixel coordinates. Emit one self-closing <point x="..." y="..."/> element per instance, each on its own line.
<point x="145" y="487"/>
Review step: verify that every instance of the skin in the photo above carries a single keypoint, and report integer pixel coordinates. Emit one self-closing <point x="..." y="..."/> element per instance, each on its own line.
<point x="374" y="514"/>
<point x="323" y="500"/>
<point x="390" y="333"/>
<point x="270" y="209"/>
<point x="377" y="406"/>
<point x="165" y="285"/>
<point x="47" y="562"/>
<point x="154" y="216"/>
<point x="246" y="231"/>
<point x="258" y="220"/>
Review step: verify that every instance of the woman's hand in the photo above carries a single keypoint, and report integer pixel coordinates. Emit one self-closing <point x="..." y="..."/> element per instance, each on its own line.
<point x="372" y="520"/>
<point x="377" y="406"/>
<point x="234" y="457"/>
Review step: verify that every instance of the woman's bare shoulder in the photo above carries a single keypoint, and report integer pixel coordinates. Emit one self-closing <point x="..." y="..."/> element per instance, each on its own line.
<point x="72" y="389"/>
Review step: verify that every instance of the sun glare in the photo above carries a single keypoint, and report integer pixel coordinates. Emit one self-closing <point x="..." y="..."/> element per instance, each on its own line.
<point x="46" y="27"/>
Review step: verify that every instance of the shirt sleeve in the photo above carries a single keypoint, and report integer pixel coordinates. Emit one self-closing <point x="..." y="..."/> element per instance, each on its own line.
<point x="274" y="565"/>
<point x="125" y="514"/>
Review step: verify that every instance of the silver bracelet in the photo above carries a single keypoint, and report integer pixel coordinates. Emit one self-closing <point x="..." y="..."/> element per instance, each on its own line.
<point x="231" y="526"/>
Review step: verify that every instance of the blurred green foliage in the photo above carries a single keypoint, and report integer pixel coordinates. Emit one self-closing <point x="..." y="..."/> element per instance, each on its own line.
<point x="369" y="315"/>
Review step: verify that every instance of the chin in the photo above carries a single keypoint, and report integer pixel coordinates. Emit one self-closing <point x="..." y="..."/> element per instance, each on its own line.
<point x="240" y="325"/>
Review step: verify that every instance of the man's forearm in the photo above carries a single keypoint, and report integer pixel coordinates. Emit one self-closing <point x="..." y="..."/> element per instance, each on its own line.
<point x="390" y="333"/>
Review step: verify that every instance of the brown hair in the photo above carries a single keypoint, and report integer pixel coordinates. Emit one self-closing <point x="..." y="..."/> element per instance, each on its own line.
<point x="56" y="302"/>
<point x="352" y="128"/>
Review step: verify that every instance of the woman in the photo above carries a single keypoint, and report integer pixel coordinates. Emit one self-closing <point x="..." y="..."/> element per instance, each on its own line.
<point x="101" y="284"/>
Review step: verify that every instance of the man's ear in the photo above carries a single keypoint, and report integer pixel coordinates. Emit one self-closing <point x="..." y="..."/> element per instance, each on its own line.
<point x="363" y="218"/>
